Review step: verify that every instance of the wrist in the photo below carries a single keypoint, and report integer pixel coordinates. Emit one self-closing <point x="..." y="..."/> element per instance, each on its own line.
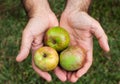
<point x="80" y="5"/>
<point x="36" y="7"/>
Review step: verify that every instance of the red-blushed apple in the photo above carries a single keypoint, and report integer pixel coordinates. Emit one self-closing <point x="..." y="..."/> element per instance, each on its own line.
<point x="72" y="58"/>
<point x="46" y="58"/>
<point x="57" y="38"/>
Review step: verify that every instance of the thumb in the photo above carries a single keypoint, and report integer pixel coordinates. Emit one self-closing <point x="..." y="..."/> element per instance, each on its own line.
<point x="98" y="31"/>
<point x="54" y="21"/>
<point x="27" y="39"/>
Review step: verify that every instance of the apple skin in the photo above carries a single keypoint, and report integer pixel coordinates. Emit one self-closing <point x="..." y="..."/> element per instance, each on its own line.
<point x="46" y="58"/>
<point x="72" y="58"/>
<point x="57" y="38"/>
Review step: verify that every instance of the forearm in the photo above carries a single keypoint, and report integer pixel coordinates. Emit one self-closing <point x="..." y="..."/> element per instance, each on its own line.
<point x="35" y="7"/>
<point x="81" y="5"/>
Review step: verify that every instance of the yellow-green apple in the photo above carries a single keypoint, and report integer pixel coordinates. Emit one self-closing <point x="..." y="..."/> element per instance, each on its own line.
<point x="46" y="58"/>
<point x="57" y="38"/>
<point x="72" y="58"/>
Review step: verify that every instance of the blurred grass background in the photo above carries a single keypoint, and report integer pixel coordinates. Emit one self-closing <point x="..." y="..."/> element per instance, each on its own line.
<point x="105" y="68"/>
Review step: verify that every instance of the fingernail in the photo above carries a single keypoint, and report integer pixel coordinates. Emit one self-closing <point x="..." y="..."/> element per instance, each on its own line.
<point x="49" y="79"/>
<point x="18" y="59"/>
<point x="74" y="78"/>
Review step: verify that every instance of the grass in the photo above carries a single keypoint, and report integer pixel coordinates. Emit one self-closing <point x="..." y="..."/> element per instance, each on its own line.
<point x="105" y="68"/>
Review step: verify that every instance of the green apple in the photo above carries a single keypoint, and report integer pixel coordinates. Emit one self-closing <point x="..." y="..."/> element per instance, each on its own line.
<point x="57" y="38"/>
<point x="72" y="58"/>
<point x="46" y="58"/>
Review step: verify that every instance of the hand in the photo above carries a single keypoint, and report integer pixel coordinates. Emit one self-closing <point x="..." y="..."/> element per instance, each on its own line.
<point x="41" y="18"/>
<point x="33" y="36"/>
<point x="81" y="28"/>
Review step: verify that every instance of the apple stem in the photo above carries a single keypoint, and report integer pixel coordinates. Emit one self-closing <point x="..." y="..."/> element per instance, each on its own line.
<point x="53" y="41"/>
<point x="44" y="55"/>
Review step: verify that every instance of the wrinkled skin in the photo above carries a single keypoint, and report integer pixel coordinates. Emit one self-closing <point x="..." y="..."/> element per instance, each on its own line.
<point x="82" y="28"/>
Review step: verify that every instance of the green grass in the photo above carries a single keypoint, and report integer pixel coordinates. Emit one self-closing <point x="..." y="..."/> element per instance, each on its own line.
<point x="105" y="68"/>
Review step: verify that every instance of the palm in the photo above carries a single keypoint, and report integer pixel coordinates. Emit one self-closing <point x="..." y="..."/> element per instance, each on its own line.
<point x="81" y="28"/>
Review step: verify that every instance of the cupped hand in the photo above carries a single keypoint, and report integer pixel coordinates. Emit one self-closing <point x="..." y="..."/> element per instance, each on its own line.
<point x="82" y="28"/>
<point x="32" y="38"/>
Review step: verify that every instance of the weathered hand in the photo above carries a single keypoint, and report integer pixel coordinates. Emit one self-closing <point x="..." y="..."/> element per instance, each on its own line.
<point x="32" y="37"/>
<point x="41" y="18"/>
<point x="81" y="28"/>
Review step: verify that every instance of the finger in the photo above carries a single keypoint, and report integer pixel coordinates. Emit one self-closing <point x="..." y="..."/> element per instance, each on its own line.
<point x="61" y="74"/>
<point x="37" y="43"/>
<point x="73" y="77"/>
<point x="69" y="75"/>
<point x="38" y="40"/>
<point x="27" y="39"/>
<point x="42" y="74"/>
<point x="86" y="66"/>
<point x="101" y="36"/>
<point x="54" y="21"/>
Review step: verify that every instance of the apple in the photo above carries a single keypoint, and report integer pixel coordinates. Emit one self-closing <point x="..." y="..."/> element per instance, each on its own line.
<point x="46" y="58"/>
<point x="72" y="58"/>
<point x="57" y="38"/>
